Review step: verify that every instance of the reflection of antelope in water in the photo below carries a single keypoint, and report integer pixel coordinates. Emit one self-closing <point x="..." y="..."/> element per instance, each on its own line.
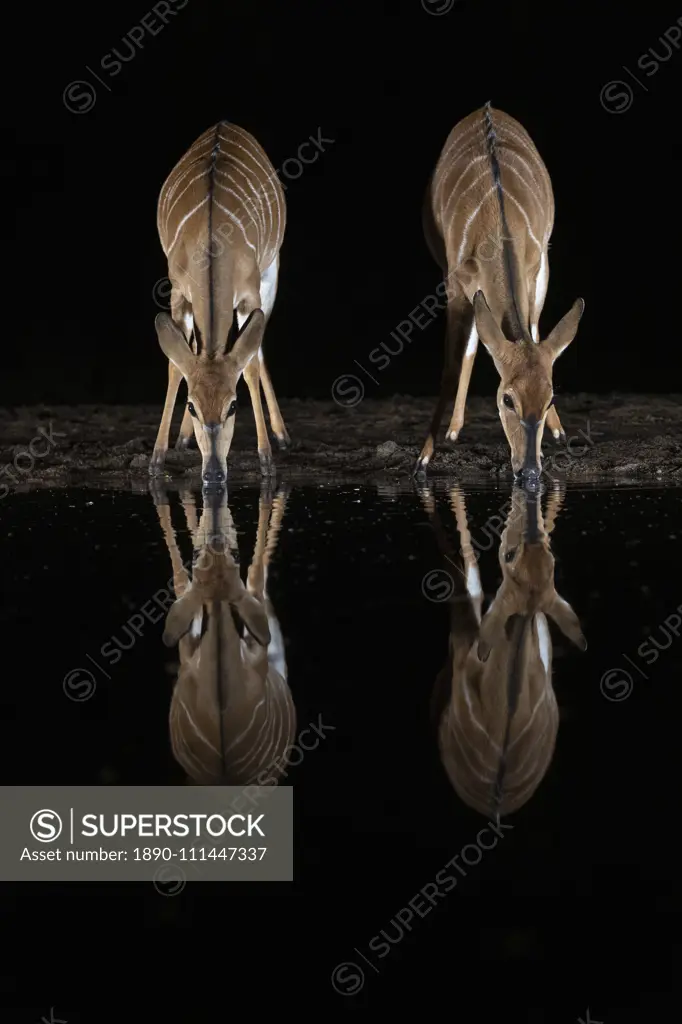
<point x="496" y="708"/>
<point x="232" y="718"/>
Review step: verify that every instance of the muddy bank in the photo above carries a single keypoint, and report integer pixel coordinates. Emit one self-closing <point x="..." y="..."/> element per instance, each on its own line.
<point x="615" y="437"/>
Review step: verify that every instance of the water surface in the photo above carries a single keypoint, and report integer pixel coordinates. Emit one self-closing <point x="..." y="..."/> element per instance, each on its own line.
<point x="365" y="585"/>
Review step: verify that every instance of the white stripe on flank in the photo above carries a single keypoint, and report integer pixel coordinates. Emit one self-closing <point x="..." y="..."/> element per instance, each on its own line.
<point x="179" y="196"/>
<point x="528" y="188"/>
<point x="184" y="221"/>
<point x="540" y="173"/>
<point x="453" y="190"/>
<point x="470" y="221"/>
<point x="243" y="206"/>
<point x="181" y="174"/>
<point x="250" y="204"/>
<point x="460" y="196"/>
<point x="540" y="186"/>
<point x="235" y="220"/>
<point x="255" y="159"/>
<point x="478" y="126"/>
<point x="525" y="216"/>
<point x="474" y="719"/>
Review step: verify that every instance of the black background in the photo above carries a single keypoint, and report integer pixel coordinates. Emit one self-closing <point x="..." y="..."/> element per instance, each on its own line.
<point x="387" y="83"/>
<point x="81" y="258"/>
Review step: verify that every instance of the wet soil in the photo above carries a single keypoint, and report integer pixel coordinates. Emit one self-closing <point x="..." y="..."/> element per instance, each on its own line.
<point x="619" y="436"/>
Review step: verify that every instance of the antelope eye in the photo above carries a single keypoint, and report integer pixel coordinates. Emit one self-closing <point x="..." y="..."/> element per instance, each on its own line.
<point x="510" y="555"/>
<point x="232" y="410"/>
<point x="192" y="410"/>
<point x="508" y="401"/>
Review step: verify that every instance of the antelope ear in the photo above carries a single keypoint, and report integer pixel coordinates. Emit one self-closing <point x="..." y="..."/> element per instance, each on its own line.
<point x="173" y="343"/>
<point x="565" y="331"/>
<point x="249" y="340"/>
<point x="251" y="613"/>
<point x="179" y="618"/>
<point x="567" y="621"/>
<point x="490" y="334"/>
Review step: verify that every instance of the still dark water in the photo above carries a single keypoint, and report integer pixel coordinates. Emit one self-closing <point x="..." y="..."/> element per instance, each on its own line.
<point x="576" y="905"/>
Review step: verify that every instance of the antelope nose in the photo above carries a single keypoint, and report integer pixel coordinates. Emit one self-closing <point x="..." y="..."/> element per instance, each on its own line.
<point x="530" y="477"/>
<point x="214" y="474"/>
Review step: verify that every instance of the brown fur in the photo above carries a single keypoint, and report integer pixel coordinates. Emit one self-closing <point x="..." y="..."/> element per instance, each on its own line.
<point x="232" y="719"/>
<point x="221" y="218"/>
<point x="496" y="756"/>
<point x="482" y="252"/>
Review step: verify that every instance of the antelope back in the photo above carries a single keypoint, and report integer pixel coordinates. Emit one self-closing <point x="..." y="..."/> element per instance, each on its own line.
<point x="222" y="206"/>
<point x="490" y="191"/>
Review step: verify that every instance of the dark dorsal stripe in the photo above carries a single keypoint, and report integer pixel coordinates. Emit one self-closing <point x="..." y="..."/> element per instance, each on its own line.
<point x="211" y="175"/>
<point x="511" y="323"/>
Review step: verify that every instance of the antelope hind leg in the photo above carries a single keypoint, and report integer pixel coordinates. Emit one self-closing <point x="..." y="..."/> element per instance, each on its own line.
<point x="459" y="326"/>
<point x="161" y="446"/>
<point x="252" y="378"/>
<point x="186" y="438"/>
<point x="276" y="420"/>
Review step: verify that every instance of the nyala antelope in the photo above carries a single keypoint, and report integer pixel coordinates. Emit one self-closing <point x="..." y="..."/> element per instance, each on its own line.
<point x="495" y="709"/>
<point x="232" y="717"/>
<point x="221" y="217"/>
<point x="488" y="216"/>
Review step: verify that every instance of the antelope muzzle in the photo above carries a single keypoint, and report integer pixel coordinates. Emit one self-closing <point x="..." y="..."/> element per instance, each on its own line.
<point x="531" y="470"/>
<point x="214" y="475"/>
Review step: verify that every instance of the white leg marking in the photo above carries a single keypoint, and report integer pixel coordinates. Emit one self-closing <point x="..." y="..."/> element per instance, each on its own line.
<point x="541" y="284"/>
<point x="276" y="654"/>
<point x="472" y="343"/>
<point x="188" y="319"/>
<point x="268" y="287"/>
<point x="543" y="640"/>
<point x="540" y="293"/>
<point x="473" y="582"/>
<point x="195" y="629"/>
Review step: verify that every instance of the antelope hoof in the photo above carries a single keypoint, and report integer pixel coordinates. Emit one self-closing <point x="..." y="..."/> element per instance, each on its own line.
<point x="284" y="442"/>
<point x="419" y="471"/>
<point x="184" y="444"/>
<point x="158" y="492"/>
<point x="452" y="435"/>
<point x="267" y="466"/>
<point x="156" y="464"/>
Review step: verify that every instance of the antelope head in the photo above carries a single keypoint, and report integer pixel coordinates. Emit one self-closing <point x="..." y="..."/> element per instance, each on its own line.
<point x="212" y="378"/>
<point x="525" y="393"/>
<point x="527" y="565"/>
